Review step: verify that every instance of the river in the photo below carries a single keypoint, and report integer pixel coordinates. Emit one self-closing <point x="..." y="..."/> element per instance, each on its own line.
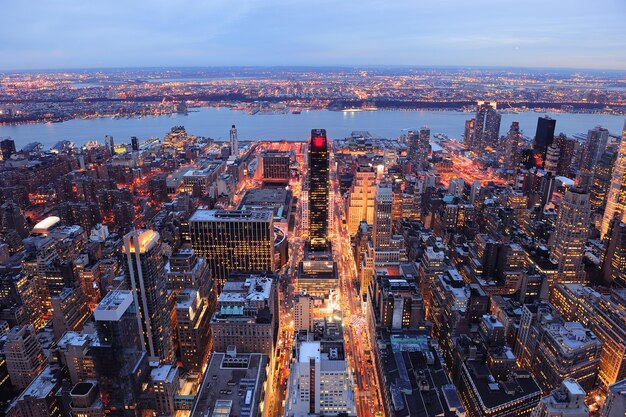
<point x="215" y="123"/>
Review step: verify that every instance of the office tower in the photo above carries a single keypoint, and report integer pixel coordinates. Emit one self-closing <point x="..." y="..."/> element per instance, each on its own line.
<point x="234" y="141"/>
<point x="233" y="240"/>
<point x="318" y="189"/>
<point x="73" y="350"/>
<point x="615" y="402"/>
<point x="12" y="218"/>
<point x="567" y="149"/>
<point x="544" y="137"/>
<point x="616" y="196"/>
<point x="120" y="361"/>
<point x="319" y="382"/>
<point x="468" y="133"/>
<point x="40" y="398"/>
<point x="164" y="384"/>
<point x="513" y="147"/>
<point x="593" y="149"/>
<point x="69" y="311"/>
<point x="487" y="127"/>
<point x="134" y="143"/>
<point x="605" y="315"/>
<point x="192" y="324"/>
<point x="570" y="235"/>
<point x="246" y="315"/>
<point x="566" y="350"/>
<point x="276" y="166"/>
<point x="303" y="312"/>
<point x="614" y="265"/>
<point x="419" y="147"/>
<point x="601" y="181"/>
<point x="24" y="357"/>
<point x="186" y="270"/>
<point x="551" y="164"/>
<point x="145" y="275"/>
<point x="361" y="198"/>
<point x="245" y="371"/>
<point x="566" y="401"/>
<point x="7" y="148"/>
<point x="109" y="144"/>
<point x="382" y="217"/>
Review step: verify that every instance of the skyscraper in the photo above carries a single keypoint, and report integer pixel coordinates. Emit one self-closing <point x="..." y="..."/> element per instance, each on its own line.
<point x="614" y="266"/>
<point x="487" y="127"/>
<point x="570" y="235"/>
<point x="616" y="196"/>
<point x="233" y="240"/>
<point x="234" y="141"/>
<point x="419" y="147"/>
<point x="544" y="137"/>
<point x="567" y="400"/>
<point x="361" y="198"/>
<point x="7" y="148"/>
<point x="24" y="357"/>
<point x="593" y="149"/>
<point x="513" y="147"/>
<point x="109" y="144"/>
<point x="145" y="275"/>
<point x="318" y="189"/>
<point x="382" y="217"/>
<point x="119" y="358"/>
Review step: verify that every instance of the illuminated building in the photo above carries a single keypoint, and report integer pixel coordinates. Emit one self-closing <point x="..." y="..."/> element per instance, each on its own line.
<point x="594" y="148"/>
<point x="570" y="235"/>
<point x="234" y="141"/>
<point x="487" y="126"/>
<point x="192" y="324"/>
<point x="544" y="136"/>
<point x="164" y="383"/>
<point x="468" y="133"/>
<point x="145" y="275"/>
<point x="566" y="401"/>
<point x="319" y="382"/>
<point x="317" y="277"/>
<point x="513" y="147"/>
<point x="119" y="358"/>
<point x="233" y="240"/>
<point x="419" y="147"/>
<point x="534" y="318"/>
<point x="40" y="398"/>
<point x="396" y="303"/>
<point x="616" y="196"/>
<point x="247" y="314"/>
<point x="382" y="231"/>
<point x="85" y="400"/>
<point x="109" y="144"/>
<point x="7" y="148"/>
<point x="605" y="315"/>
<point x="614" y="266"/>
<point x="552" y="159"/>
<point x="74" y="352"/>
<point x="601" y="181"/>
<point x="24" y="357"/>
<point x="567" y="149"/>
<point x="186" y="270"/>
<point x="134" y="143"/>
<point x="318" y="189"/>
<point x="69" y="311"/>
<point x="276" y="166"/>
<point x="361" y="198"/>
<point x="233" y="385"/>
<point x="615" y="402"/>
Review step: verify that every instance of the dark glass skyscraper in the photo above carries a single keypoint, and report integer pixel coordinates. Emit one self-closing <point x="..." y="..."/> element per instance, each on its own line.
<point x="318" y="189"/>
<point x="543" y="138"/>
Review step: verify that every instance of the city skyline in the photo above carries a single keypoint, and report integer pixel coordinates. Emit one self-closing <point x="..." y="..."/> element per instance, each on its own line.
<point x="274" y="33"/>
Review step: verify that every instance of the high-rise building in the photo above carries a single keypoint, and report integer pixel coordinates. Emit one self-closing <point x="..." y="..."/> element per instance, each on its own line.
<point x="186" y="270"/>
<point x="24" y="356"/>
<point x="615" y="402"/>
<point x="276" y="166"/>
<point x="192" y="324"/>
<point x="361" y="198"/>
<point x="246" y="315"/>
<point x="69" y="311"/>
<point x="134" y="143"/>
<point x="419" y="147"/>
<point x="234" y="141"/>
<point x="119" y="358"/>
<point x="567" y="149"/>
<point x="616" y="196"/>
<point x="145" y="275"/>
<point x="513" y="147"/>
<point x="487" y="127"/>
<point x="109" y="144"/>
<point x="382" y="217"/>
<point x="605" y="315"/>
<point x="593" y="149"/>
<point x="544" y="136"/>
<point x="319" y="382"/>
<point x="318" y="189"/>
<point x="233" y="240"/>
<point x="614" y="265"/>
<point x="40" y="398"/>
<point x="7" y="148"/>
<point x="570" y="235"/>
<point x="468" y="133"/>
<point x="566" y="401"/>
<point x="601" y="181"/>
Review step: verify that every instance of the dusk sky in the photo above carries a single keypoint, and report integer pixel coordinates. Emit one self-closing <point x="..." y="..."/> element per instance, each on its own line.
<point x="46" y="34"/>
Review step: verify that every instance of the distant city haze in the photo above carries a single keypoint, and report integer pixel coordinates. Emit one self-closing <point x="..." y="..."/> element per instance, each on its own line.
<point x="71" y="34"/>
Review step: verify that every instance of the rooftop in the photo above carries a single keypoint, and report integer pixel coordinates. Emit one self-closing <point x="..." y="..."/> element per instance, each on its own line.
<point x="203" y="215"/>
<point x="113" y="305"/>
